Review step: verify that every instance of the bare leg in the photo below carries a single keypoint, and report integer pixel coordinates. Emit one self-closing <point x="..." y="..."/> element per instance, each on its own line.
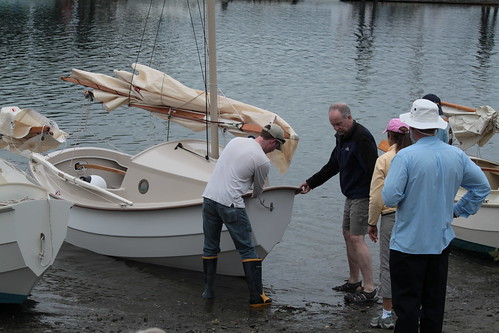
<point x="361" y="256"/>
<point x="387" y="304"/>
<point x="352" y="263"/>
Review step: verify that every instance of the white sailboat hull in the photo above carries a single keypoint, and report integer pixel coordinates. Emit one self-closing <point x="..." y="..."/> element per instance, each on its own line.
<point x="174" y="236"/>
<point x="164" y="225"/>
<point x="32" y="230"/>
<point x="481" y="228"/>
<point x="480" y="232"/>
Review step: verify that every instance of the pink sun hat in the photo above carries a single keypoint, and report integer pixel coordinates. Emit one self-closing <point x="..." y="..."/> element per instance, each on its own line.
<point x="395" y="125"/>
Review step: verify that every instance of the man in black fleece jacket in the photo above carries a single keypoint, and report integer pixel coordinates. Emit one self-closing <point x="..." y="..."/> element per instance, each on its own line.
<point x="353" y="158"/>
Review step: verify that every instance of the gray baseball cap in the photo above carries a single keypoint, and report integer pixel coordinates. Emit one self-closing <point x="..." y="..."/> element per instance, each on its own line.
<point x="276" y="132"/>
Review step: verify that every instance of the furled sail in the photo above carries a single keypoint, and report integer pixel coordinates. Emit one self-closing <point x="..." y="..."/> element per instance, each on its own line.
<point x="473" y="127"/>
<point x="27" y="129"/>
<point x="167" y="98"/>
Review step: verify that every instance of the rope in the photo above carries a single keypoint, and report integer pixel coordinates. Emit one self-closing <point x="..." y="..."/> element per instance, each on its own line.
<point x="10" y="202"/>
<point x="202" y="16"/>
<point x="140" y="48"/>
<point x="269" y="207"/>
<point x="43" y="240"/>
<point x="157" y="34"/>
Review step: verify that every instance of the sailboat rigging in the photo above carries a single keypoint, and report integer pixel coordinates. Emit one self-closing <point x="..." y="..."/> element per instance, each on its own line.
<point x="147" y="207"/>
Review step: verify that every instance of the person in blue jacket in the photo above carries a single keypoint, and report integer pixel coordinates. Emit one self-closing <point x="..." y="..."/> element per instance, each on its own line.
<point x="422" y="182"/>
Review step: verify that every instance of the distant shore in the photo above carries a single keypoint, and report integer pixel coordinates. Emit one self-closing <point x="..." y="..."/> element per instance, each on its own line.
<point x="453" y="2"/>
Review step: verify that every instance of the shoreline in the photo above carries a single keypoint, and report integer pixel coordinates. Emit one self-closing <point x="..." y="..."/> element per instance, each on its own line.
<point x="439" y="2"/>
<point x="102" y="294"/>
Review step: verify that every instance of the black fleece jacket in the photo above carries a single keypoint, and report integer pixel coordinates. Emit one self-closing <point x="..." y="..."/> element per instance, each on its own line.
<point x="353" y="158"/>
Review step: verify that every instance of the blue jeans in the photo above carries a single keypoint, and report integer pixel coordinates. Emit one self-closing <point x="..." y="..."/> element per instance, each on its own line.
<point x="237" y="223"/>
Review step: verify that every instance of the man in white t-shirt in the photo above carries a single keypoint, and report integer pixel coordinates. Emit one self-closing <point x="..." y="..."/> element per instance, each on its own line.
<point x="243" y="163"/>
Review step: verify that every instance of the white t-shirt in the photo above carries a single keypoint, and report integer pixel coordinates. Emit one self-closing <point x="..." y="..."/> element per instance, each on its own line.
<point x="241" y="164"/>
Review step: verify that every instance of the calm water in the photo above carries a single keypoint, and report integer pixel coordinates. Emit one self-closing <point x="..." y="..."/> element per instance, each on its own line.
<point x="292" y="59"/>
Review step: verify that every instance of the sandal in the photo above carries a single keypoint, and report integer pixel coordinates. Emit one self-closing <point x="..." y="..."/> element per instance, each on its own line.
<point x="348" y="287"/>
<point x="361" y="296"/>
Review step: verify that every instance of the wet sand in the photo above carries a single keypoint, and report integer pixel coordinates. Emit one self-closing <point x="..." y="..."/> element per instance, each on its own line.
<point x="85" y="292"/>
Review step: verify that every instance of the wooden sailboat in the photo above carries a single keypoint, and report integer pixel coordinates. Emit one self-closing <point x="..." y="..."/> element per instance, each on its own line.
<point x="147" y="207"/>
<point x="479" y="232"/>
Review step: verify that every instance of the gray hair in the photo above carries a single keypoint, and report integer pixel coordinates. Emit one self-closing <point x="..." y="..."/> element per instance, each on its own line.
<point x="343" y="108"/>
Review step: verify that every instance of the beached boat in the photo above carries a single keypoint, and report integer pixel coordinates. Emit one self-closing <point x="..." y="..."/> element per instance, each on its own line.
<point x="32" y="227"/>
<point x="147" y="207"/>
<point x="479" y="232"/>
<point x="32" y="230"/>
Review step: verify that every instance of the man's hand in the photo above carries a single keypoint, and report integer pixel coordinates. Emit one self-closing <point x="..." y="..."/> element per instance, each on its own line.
<point x="305" y="188"/>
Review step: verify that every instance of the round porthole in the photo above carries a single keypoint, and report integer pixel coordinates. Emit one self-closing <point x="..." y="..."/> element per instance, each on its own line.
<point x="143" y="186"/>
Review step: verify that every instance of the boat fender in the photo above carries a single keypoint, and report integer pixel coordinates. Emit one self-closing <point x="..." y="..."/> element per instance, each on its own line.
<point x="95" y="180"/>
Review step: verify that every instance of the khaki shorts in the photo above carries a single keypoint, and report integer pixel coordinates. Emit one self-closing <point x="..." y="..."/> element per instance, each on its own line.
<point x="356" y="215"/>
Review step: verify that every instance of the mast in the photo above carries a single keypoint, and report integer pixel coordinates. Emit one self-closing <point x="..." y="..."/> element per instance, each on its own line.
<point x="212" y="73"/>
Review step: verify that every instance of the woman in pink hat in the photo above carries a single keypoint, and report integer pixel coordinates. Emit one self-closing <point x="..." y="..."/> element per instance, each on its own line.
<point x="398" y="138"/>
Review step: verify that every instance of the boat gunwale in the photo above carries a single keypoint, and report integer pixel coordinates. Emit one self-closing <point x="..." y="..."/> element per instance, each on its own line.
<point x="171" y="205"/>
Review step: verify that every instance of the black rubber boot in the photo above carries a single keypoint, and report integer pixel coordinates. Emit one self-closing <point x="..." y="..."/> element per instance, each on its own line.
<point x="253" y="272"/>
<point x="210" y="271"/>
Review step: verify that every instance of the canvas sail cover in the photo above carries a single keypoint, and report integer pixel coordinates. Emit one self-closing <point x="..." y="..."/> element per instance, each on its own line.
<point x="27" y="129"/>
<point x="472" y="128"/>
<point x="167" y="98"/>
